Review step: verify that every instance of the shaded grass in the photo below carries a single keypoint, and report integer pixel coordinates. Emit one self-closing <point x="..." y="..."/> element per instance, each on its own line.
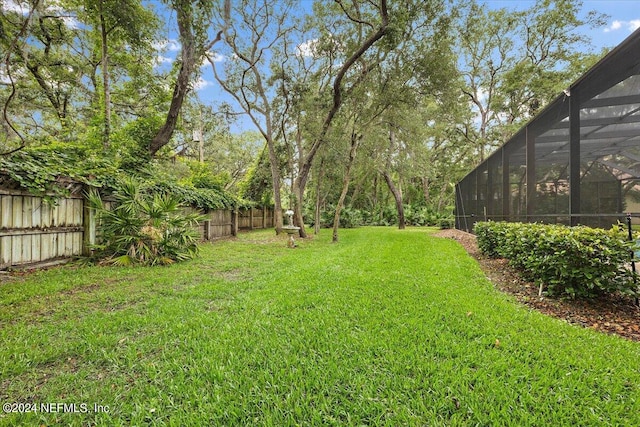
<point x="387" y="327"/>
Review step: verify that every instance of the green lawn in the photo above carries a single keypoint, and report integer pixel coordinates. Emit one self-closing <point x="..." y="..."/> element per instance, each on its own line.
<point x="387" y="327"/>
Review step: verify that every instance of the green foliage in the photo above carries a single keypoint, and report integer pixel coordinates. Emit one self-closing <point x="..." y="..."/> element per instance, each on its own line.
<point x="201" y="198"/>
<point x="144" y="229"/>
<point x="349" y="217"/>
<point x="60" y="90"/>
<point x="570" y="261"/>
<point x="426" y="216"/>
<point x="202" y="176"/>
<point x="257" y="185"/>
<point x="446" y="223"/>
<point x="385" y="215"/>
<point x="491" y="237"/>
<point x="47" y="170"/>
<point x="381" y="215"/>
<point x="133" y="140"/>
<point x="43" y="170"/>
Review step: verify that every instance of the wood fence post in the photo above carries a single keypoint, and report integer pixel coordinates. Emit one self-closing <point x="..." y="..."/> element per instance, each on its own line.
<point x="234" y="222"/>
<point x="207" y="230"/>
<point x="89" y="227"/>
<point x="264" y="217"/>
<point x="251" y="218"/>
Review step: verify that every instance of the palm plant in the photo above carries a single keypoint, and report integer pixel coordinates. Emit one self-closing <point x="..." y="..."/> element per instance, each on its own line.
<point x="136" y="228"/>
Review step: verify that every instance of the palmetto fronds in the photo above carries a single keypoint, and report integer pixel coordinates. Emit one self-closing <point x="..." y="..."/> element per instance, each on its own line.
<point x="144" y="229"/>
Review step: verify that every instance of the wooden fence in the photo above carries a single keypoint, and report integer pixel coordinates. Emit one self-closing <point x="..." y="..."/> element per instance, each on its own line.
<point x="248" y="219"/>
<point x="34" y="232"/>
<point x="224" y="223"/>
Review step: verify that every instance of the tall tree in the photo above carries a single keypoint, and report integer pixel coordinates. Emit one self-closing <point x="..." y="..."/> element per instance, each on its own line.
<point x="255" y="28"/>
<point x="418" y="72"/>
<point x="227" y="156"/>
<point x="119" y="26"/>
<point x="193" y="19"/>
<point x="40" y="55"/>
<point x="552" y="57"/>
<point x="514" y="62"/>
<point x="12" y="44"/>
<point x="346" y="180"/>
<point x="57" y="54"/>
<point x="371" y="24"/>
<point x="486" y="46"/>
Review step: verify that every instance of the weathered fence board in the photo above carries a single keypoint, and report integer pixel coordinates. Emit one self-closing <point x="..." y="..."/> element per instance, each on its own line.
<point x="34" y="231"/>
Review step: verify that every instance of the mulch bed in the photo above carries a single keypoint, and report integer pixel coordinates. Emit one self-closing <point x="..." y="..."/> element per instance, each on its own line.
<point x="613" y="314"/>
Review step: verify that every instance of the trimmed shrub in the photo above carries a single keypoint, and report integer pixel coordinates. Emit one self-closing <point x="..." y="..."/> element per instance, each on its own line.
<point x="446" y="223"/>
<point x="570" y="261"/>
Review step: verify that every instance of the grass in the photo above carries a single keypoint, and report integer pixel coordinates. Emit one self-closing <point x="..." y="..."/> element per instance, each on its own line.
<point x="387" y="327"/>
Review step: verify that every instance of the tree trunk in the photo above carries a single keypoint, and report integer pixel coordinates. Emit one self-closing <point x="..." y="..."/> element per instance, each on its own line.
<point x="425" y="190"/>
<point x="276" y="181"/>
<point x="316" y="224"/>
<point x="355" y="139"/>
<point x="300" y="182"/>
<point x="443" y="197"/>
<point x="187" y="67"/>
<point x="397" y="197"/>
<point x="374" y="196"/>
<point x="105" y="79"/>
<point x="298" y="218"/>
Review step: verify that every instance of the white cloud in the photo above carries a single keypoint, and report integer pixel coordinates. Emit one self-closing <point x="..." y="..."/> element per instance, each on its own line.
<point x="615" y="25"/>
<point x="173" y="46"/>
<point x="166" y="51"/>
<point x="71" y="22"/>
<point x="307" y="48"/>
<point x="483" y="94"/>
<point x="12" y="6"/>
<point x="53" y="7"/>
<point x="170" y="45"/>
<point x="631" y="25"/>
<point x="202" y="84"/>
<point x="4" y="78"/>
<point x="159" y="60"/>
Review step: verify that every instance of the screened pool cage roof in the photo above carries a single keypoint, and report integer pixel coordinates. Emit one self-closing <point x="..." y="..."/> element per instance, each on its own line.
<point x="609" y="114"/>
<point x="609" y="127"/>
<point x="593" y="124"/>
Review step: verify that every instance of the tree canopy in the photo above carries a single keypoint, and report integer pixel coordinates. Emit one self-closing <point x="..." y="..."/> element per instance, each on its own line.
<point x="353" y="111"/>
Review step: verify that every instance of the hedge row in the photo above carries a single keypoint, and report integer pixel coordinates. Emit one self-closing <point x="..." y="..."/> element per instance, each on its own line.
<point x="570" y="261"/>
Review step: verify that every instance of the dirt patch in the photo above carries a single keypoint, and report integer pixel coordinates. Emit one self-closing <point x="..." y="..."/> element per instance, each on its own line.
<point x="614" y="314"/>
